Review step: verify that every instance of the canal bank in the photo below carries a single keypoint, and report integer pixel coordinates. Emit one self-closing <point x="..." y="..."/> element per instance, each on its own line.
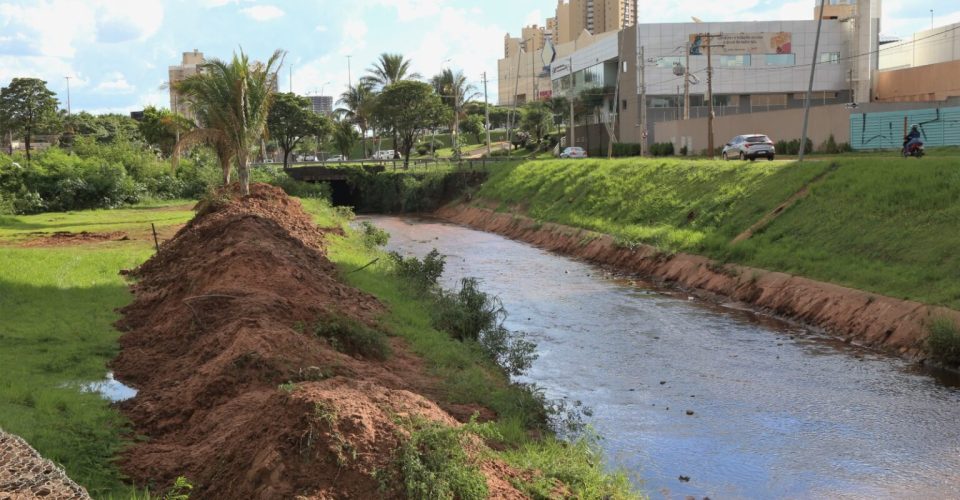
<point x="698" y="400"/>
<point x="868" y="319"/>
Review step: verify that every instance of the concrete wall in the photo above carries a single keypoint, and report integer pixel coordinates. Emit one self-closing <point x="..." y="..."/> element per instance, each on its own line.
<point x="933" y="82"/>
<point x="937" y="45"/>
<point x="778" y="125"/>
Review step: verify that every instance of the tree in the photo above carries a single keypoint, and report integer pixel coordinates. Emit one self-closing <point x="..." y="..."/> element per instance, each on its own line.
<point x="409" y="108"/>
<point x="231" y="101"/>
<point x="290" y="121"/>
<point x="161" y="128"/>
<point x="454" y="92"/>
<point x="473" y="125"/>
<point x="536" y="119"/>
<point x="344" y="137"/>
<point x="358" y="104"/>
<point x="26" y="106"/>
<point x="389" y="68"/>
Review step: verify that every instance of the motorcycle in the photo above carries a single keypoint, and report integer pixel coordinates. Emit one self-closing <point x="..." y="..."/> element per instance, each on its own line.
<point x="915" y="150"/>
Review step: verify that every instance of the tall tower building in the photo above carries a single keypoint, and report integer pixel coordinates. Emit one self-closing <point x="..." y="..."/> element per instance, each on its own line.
<point x="188" y="66"/>
<point x="594" y="16"/>
<point x="863" y="17"/>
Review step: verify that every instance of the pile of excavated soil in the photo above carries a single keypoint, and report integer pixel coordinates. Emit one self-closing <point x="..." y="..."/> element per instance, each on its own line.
<point x="886" y="323"/>
<point x="223" y="316"/>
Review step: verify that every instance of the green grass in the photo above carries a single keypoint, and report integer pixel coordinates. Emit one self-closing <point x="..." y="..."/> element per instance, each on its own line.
<point x="882" y="224"/>
<point x="468" y="377"/>
<point x="56" y="333"/>
<point x="13" y="227"/>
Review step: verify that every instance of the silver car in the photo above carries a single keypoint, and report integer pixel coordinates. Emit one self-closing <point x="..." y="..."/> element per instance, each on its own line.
<point x="749" y="147"/>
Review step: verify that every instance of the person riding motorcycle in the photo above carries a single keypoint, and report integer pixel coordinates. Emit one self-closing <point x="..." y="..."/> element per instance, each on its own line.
<point x="913" y="137"/>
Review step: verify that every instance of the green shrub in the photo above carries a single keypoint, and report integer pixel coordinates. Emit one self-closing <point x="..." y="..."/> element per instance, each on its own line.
<point x="662" y="149"/>
<point x="373" y="236"/>
<point x="352" y="337"/>
<point x="944" y="340"/>
<point x="422" y="275"/>
<point x="434" y="464"/>
<point x="621" y="149"/>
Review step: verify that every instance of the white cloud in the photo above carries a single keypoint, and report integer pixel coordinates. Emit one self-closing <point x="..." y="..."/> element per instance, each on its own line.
<point x="410" y="10"/>
<point x="263" y="12"/>
<point x="534" y="17"/>
<point x="322" y="28"/>
<point x="354" y="37"/>
<point x="115" y="83"/>
<point x="122" y="20"/>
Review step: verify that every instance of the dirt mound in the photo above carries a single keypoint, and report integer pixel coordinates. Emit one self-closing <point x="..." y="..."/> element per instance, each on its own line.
<point x="221" y="324"/>
<point x="66" y="238"/>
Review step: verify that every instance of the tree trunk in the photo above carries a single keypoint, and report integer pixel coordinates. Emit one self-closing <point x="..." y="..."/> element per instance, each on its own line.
<point x="225" y="166"/>
<point x="286" y="156"/>
<point x="244" y="173"/>
<point x="26" y="141"/>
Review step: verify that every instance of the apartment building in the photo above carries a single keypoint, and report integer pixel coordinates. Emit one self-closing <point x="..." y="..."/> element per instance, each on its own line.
<point x="188" y="66"/>
<point x="321" y="104"/>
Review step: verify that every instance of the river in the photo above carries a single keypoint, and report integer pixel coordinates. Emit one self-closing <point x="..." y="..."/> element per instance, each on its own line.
<point x="777" y="411"/>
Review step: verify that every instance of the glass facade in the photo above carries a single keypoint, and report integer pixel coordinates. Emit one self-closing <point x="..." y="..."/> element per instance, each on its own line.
<point x="596" y="76"/>
<point x="780" y="59"/>
<point x="830" y="58"/>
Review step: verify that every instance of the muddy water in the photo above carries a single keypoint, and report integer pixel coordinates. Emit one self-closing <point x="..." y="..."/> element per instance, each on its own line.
<point x="777" y="412"/>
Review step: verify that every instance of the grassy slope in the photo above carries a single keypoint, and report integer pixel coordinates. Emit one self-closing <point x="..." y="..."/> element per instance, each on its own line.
<point x="884" y="224"/>
<point x="469" y="378"/>
<point x="56" y="332"/>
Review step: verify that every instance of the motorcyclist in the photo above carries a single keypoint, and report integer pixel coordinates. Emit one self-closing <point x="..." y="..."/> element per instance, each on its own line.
<point x="913" y="137"/>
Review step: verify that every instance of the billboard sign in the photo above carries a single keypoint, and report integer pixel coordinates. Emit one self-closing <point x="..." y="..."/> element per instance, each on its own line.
<point x="742" y="43"/>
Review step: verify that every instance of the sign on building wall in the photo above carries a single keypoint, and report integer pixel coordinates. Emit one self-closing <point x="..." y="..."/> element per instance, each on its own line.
<point x="743" y="43"/>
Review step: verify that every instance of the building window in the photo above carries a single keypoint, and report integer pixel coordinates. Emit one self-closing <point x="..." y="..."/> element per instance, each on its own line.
<point x="830" y="58"/>
<point x="624" y="104"/>
<point x="734" y="61"/>
<point x="780" y="59"/>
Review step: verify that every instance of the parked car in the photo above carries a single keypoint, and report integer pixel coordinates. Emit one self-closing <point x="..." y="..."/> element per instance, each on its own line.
<point x="310" y="158"/>
<point x="337" y="158"/>
<point x="385" y="154"/>
<point x="749" y="147"/>
<point x="573" y="152"/>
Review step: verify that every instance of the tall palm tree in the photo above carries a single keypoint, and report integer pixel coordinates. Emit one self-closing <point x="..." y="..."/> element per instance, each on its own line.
<point x="231" y="102"/>
<point x="455" y="92"/>
<point x="358" y="102"/>
<point x="389" y="68"/>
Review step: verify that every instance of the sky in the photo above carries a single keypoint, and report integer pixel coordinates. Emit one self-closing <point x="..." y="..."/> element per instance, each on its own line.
<point x="116" y="52"/>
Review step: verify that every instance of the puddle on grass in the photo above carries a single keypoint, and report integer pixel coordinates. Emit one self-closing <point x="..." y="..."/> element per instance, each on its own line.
<point x="111" y="389"/>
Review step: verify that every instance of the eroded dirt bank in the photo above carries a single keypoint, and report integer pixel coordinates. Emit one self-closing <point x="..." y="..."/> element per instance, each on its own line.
<point x="869" y="319"/>
<point x="222" y="317"/>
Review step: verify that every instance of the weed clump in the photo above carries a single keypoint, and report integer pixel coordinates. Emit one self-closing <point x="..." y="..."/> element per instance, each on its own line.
<point x="434" y="464"/>
<point x="352" y="337"/>
<point x="944" y="340"/>
<point x="421" y="275"/>
<point x="373" y="236"/>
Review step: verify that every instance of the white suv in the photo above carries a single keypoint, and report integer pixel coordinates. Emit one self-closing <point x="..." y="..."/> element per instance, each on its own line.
<point x="385" y="154"/>
<point x="749" y="147"/>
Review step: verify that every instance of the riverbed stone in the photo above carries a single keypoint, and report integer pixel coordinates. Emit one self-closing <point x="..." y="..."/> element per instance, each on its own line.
<point x="25" y="474"/>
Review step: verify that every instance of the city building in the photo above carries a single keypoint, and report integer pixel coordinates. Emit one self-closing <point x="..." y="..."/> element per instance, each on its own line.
<point x="321" y="104"/>
<point x="188" y="66"/>
<point x="758" y="66"/>
<point x="575" y="24"/>
<point x="924" y="67"/>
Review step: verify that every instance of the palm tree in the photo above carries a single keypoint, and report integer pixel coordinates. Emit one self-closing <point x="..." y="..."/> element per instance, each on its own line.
<point x="455" y="92"/>
<point x="358" y="102"/>
<point x="389" y="68"/>
<point x="231" y="102"/>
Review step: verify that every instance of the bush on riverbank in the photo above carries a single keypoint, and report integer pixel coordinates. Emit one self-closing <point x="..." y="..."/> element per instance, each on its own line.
<point x="944" y="340"/>
<point x="885" y="225"/>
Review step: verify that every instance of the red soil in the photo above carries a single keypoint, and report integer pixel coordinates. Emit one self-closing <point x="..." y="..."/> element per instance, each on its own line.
<point x="66" y="238"/>
<point x="215" y="328"/>
<point x="886" y="323"/>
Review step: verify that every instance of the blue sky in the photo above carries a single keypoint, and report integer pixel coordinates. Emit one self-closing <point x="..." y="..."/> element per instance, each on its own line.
<point x="117" y="51"/>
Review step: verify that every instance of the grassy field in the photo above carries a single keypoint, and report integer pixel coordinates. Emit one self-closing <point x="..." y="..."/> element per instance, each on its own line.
<point x="877" y="223"/>
<point x="56" y="334"/>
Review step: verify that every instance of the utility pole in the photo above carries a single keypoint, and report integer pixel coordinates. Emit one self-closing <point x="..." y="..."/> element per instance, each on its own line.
<point x="813" y="70"/>
<point x="573" y="126"/>
<point x="643" y="104"/>
<point x="349" y="77"/>
<point x="710" y="114"/>
<point x="456" y="117"/>
<point x="290" y="73"/>
<point x="686" y="86"/>
<point x="68" y="95"/>
<point x="486" y="111"/>
<point x="516" y="90"/>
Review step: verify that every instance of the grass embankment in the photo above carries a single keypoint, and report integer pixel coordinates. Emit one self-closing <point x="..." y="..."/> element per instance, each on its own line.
<point x="881" y="224"/>
<point x="470" y="378"/>
<point x="56" y="333"/>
